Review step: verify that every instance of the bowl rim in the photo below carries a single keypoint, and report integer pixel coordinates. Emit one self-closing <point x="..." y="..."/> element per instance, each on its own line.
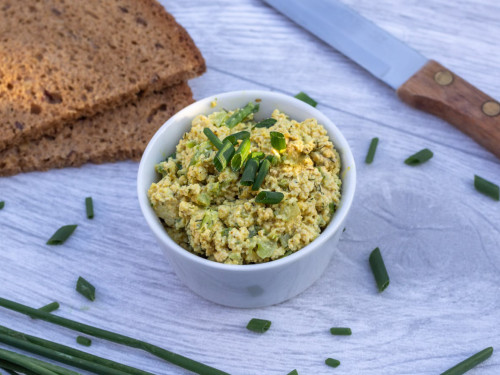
<point x="333" y="226"/>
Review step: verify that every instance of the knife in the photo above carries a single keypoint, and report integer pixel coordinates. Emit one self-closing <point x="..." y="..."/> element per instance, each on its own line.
<point x="422" y="83"/>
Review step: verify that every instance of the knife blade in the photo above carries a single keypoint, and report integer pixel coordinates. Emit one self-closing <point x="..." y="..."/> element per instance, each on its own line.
<point x="418" y="81"/>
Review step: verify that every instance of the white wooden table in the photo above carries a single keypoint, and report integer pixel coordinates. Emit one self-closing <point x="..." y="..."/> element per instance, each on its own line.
<point x="439" y="237"/>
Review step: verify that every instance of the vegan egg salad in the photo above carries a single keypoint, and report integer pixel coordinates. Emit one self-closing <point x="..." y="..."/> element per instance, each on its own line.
<point x="238" y="191"/>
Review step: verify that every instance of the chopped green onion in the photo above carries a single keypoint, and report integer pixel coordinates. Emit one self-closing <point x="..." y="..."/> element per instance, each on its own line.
<point x="293" y="372"/>
<point x="85" y="341"/>
<point x="184" y="362"/>
<point x="85" y="288"/>
<point x="379" y="271"/>
<point x="306" y="98"/>
<point x="53" y="306"/>
<point x="340" y="331"/>
<point x="249" y="172"/>
<point x="278" y="140"/>
<point x="241" y="114"/>
<point x="213" y="138"/>
<point x="191" y="144"/>
<point x="332" y="362"/>
<point x="486" y="187"/>
<point x="223" y="157"/>
<point x="267" y="123"/>
<point x="272" y="159"/>
<point x="261" y="174"/>
<point x="258" y="325"/>
<point x="89" y="206"/>
<point x="241" y="155"/>
<point x="269" y="197"/>
<point x="61" y="235"/>
<point x="257" y="155"/>
<point x="2" y="204"/>
<point x="371" y="151"/>
<point x="173" y="155"/>
<point x="233" y="138"/>
<point x="470" y="362"/>
<point x="332" y="207"/>
<point x="420" y="157"/>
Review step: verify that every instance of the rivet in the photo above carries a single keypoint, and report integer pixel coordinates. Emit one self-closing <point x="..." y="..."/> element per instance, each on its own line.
<point x="443" y="78"/>
<point x="491" y="108"/>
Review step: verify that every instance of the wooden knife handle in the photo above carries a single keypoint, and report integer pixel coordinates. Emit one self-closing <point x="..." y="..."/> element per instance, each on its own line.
<point x="437" y="90"/>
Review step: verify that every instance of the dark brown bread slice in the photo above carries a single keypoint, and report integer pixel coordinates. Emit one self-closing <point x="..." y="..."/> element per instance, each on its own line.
<point x="117" y="134"/>
<point x="64" y="59"/>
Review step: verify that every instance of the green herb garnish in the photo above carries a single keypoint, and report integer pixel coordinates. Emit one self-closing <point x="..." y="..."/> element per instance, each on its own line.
<point x="257" y="155"/>
<point x="269" y="197"/>
<point x="258" y="325"/>
<point x="332" y="362"/>
<point x="379" y="271"/>
<point x="53" y="306"/>
<point x="173" y="155"/>
<point x="293" y="372"/>
<point x="470" y="362"/>
<point x="371" y="151"/>
<point x="261" y="174"/>
<point x="233" y="138"/>
<point x="213" y="138"/>
<point x="340" y="331"/>
<point x="32" y="365"/>
<point x="249" y="172"/>
<point x="241" y="114"/>
<point x="176" y="359"/>
<point x="420" y="157"/>
<point x="223" y="157"/>
<point x="191" y="144"/>
<point x="306" y="98"/>
<point x="267" y="123"/>
<point x="486" y="187"/>
<point x="85" y="288"/>
<point x="2" y="205"/>
<point x="89" y="207"/>
<point x="278" y="140"/>
<point x="241" y="155"/>
<point x="272" y="159"/>
<point x="85" y="341"/>
<point x="61" y="235"/>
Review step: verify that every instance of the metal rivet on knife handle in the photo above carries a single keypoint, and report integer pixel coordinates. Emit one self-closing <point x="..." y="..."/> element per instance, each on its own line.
<point x="443" y="78"/>
<point x="491" y="108"/>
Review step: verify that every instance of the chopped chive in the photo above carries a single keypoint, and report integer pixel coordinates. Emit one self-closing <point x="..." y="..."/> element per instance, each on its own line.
<point x="269" y="197"/>
<point x="379" y="271"/>
<point x="249" y="172"/>
<point x="272" y="159"/>
<point x="486" y="187"/>
<point x="241" y="155"/>
<point x="340" y="331"/>
<point x="332" y="362"/>
<point x="181" y="361"/>
<point x="293" y="372"/>
<point x="213" y="138"/>
<point x="85" y="341"/>
<point x="2" y="205"/>
<point x="261" y="174"/>
<point x="173" y="155"/>
<point x="191" y="144"/>
<point x="53" y="306"/>
<point x="89" y="206"/>
<point x="223" y="157"/>
<point x="420" y="157"/>
<point x="470" y="362"/>
<point x="258" y="325"/>
<point x="85" y="288"/>
<point x="241" y="114"/>
<point x="371" y="151"/>
<point x="233" y="138"/>
<point x="66" y="350"/>
<point x="257" y="155"/>
<point x="306" y="98"/>
<point x="267" y="123"/>
<point x="278" y="140"/>
<point x="61" y="235"/>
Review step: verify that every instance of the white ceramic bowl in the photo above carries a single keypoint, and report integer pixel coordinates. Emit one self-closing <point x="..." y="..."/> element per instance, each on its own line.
<point x="253" y="285"/>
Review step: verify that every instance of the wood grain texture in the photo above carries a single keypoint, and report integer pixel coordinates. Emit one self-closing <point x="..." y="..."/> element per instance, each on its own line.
<point x="436" y="90"/>
<point x="440" y="239"/>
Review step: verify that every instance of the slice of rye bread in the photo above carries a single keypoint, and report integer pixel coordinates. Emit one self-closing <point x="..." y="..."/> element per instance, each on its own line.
<point x="117" y="134"/>
<point x="64" y="59"/>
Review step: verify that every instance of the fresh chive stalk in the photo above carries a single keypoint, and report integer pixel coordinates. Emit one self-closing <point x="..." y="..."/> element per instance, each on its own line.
<point x="241" y="114"/>
<point x="340" y="331"/>
<point x="213" y="138"/>
<point x="33" y="364"/>
<point x="248" y="177"/>
<point x="486" y="187"/>
<point x="258" y="325"/>
<point x="470" y="362"/>
<point x="269" y="197"/>
<point x="267" y="123"/>
<point x="85" y="341"/>
<point x="233" y="138"/>
<point x="61" y="235"/>
<point x="371" y="151"/>
<point x="85" y="288"/>
<point x="241" y="155"/>
<point x="72" y="352"/>
<point x="332" y="362"/>
<point x="11" y="368"/>
<point x="223" y="157"/>
<point x="379" y="271"/>
<point x="2" y="205"/>
<point x="293" y="372"/>
<point x="306" y="98"/>
<point x="53" y="306"/>
<point x="176" y="359"/>
<point x="278" y="140"/>
<point x="420" y="157"/>
<point x="89" y="207"/>
<point x="261" y="174"/>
